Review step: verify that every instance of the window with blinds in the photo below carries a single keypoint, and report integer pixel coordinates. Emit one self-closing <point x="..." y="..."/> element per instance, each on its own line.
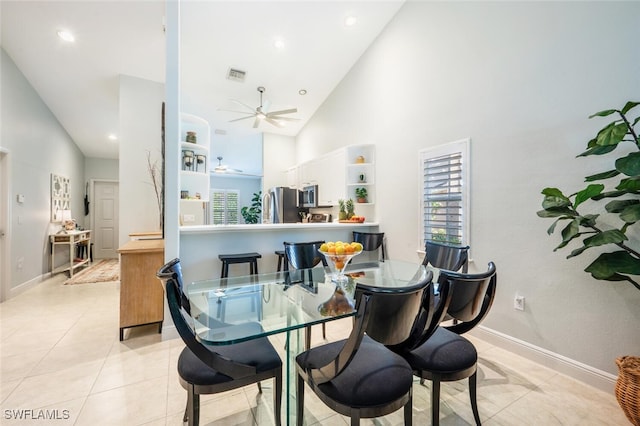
<point x="224" y="206"/>
<point x="445" y="193"/>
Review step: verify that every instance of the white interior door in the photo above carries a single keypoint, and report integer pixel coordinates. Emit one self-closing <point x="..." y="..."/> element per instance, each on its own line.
<point x="105" y="220"/>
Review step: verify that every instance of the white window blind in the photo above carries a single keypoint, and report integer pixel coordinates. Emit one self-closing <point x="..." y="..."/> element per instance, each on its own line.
<point x="224" y="206"/>
<point x="445" y="192"/>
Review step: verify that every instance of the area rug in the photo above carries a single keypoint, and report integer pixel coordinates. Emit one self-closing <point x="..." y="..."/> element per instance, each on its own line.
<point x="101" y="271"/>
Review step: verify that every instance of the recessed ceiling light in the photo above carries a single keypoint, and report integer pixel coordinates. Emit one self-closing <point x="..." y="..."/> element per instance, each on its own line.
<point x="350" y="21"/>
<point x="278" y="43"/>
<point x="302" y="92"/>
<point x="66" y="36"/>
<point x="112" y="137"/>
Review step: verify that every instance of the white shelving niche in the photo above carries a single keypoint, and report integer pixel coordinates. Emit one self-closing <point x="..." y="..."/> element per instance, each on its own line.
<point x="356" y="169"/>
<point x="194" y="178"/>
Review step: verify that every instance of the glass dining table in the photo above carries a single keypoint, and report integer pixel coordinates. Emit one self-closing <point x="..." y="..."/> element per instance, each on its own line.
<point x="286" y="303"/>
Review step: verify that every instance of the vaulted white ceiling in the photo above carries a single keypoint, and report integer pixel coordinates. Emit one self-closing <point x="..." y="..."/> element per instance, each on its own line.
<point x="79" y="81"/>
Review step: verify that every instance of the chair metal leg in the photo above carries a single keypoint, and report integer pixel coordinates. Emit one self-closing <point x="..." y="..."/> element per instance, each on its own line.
<point x="259" y="387"/>
<point x="408" y="410"/>
<point x="277" y="399"/>
<point x="307" y="338"/>
<point x="474" y="401"/>
<point x="324" y="331"/>
<point x="192" y="413"/>
<point x="355" y="417"/>
<point x="435" y="402"/>
<point x="299" y="400"/>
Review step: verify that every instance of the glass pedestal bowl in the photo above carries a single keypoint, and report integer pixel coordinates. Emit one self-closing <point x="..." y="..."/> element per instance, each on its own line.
<point x="337" y="263"/>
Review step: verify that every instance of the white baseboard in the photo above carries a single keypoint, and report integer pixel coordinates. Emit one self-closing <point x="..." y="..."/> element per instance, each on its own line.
<point x="28" y="285"/>
<point x="592" y="376"/>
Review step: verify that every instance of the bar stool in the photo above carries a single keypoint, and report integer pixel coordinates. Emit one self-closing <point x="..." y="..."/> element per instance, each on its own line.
<point x="281" y="259"/>
<point x="228" y="259"/>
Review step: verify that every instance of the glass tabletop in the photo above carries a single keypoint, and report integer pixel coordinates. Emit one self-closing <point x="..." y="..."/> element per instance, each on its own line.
<point x="231" y="310"/>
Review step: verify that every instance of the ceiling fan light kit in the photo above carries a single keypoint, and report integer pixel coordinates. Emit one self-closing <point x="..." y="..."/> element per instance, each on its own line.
<point x="261" y="113"/>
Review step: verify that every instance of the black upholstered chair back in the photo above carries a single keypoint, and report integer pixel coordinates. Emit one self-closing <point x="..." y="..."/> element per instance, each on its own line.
<point x="303" y="255"/>
<point x="396" y="315"/>
<point x="371" y="241"/>
<point x="171" y="276"/>
<point x="470" y="296"/>
<point x="444" y="256"/>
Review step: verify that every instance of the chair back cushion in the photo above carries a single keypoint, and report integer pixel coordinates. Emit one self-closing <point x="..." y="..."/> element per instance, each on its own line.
<point x="304" y="255"/>
<point x="394" y="313"/>
<point x="443" y="256"/>
<point x="470" y="296"/>
<point x="369" y="241"/>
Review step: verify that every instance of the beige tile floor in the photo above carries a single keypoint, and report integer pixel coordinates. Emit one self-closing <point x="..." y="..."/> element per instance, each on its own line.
<point x="60" y="356"/>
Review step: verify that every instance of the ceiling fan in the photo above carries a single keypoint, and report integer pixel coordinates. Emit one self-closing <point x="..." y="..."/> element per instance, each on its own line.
<point x="261" y="113"/>
<point x="223" y="168"/>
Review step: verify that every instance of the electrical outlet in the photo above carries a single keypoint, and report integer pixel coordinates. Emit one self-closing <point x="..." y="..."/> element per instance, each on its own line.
<point x="20" y="262"/>
<point x="518" y="303"/>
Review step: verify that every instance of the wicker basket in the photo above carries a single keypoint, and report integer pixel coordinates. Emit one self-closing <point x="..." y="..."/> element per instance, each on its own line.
<point x="628" y="387"/>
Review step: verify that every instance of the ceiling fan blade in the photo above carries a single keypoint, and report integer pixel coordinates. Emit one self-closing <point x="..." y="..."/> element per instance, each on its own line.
<point x="284" y="111"/>
<point x="237" y="112"/>
<point x="285" y="118"/>
<point x="243" y="104"/>
<point x="242" y="118"/>
<point x="273" y="122"/>
<point x="256" y="123"/>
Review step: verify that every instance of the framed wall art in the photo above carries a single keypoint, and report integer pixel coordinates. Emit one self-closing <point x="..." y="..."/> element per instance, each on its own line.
<point x="60" y="196"/>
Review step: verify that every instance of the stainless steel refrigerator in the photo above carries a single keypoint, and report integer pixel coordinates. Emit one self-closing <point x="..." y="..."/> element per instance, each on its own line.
<point x="280" y="205"/>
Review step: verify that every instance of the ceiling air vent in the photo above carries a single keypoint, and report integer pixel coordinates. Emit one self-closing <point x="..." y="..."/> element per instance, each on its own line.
<point x="236" y="75"/>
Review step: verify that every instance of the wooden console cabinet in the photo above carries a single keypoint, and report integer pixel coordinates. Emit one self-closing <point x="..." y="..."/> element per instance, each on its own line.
<point x="141" y="293"/>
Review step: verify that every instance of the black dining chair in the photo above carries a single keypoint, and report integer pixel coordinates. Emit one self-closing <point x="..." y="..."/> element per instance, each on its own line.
<point x="359" y="376"/>
<point x="304" y="256"/>
<point x="371" y="241"/>
<point x="445" y="256"/>
<point x="446" y="356"/>
<point x="207" y="369"/>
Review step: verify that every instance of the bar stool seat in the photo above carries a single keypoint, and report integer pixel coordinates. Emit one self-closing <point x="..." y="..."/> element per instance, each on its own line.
<point x="281" y="259"/>
<point x="250" y="258"/>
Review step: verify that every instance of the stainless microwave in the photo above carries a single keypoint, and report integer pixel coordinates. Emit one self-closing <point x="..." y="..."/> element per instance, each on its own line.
<point x="309" y="196"/>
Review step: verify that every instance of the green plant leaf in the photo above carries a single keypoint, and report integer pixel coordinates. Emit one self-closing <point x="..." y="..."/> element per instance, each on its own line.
<point x="571" y="231"/>
<point x="603" y="175"/>
<point x="588" y="219"/>
<point x="555" y="212"/>
<point x="629" y="165"/>
<point x="608" y="265"/>
<point x="603" y="113"/>
<point x="616" y="206"/>
<point x="636" y="121"/>
<point x="629" y="185"/>
<point x="628" y="106"/>
<point x="598" y="150"/>
<point x="586" y="194"/>
<point x="552" y="228"/>
<point x="611" y="194"/>
<point x="612" y="134"/>
<point x="612" y="236"/>
<point x="631" y="214"/>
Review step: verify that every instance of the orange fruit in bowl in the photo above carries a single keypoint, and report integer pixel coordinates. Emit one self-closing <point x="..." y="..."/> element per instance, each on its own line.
<point x="324" y="247"/>
<point x="339" y="264"/>
<point x="331" y="249"/>
<point x="340" y="249"/>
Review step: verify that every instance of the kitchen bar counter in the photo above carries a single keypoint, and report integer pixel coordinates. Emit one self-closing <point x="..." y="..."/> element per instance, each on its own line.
<point x="271" y="227"/>
<point x="201" y="245"/>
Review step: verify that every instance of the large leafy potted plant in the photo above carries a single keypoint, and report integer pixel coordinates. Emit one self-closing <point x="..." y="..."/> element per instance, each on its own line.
<point x="251" y="214"/>
<point x="619" y="203"/>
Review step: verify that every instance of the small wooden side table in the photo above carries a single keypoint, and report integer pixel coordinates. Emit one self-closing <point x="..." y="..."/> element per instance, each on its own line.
<point x="70" y="239"/>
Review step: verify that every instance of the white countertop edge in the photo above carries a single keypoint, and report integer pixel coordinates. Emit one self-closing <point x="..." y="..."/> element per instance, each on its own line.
<point x="203" y="229"/>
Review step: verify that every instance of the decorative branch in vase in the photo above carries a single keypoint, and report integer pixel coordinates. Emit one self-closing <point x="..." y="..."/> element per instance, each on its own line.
<point x="155" y="172"/>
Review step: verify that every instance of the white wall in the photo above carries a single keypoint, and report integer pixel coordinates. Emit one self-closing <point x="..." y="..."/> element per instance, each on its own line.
<point x="279" y="155"/>
<point x="100" y="168"/>
<point x="139" y="134"/>
<point x="519" y="79"/>
<point x="38" y="146"/>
